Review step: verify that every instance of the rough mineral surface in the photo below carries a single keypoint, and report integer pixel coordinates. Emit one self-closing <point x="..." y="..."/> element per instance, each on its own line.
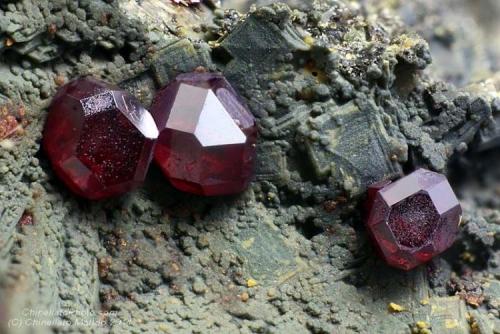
<point x="343" y="96"/>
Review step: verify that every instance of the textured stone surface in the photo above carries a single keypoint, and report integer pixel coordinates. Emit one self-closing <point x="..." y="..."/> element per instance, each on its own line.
<point x="187" y="2"/>
<point x="207" y="135"/>
<point x="98" y="138"/>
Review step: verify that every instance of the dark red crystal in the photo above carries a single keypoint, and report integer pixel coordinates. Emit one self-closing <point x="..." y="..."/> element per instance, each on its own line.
<point x="207" y="135"/>
<point x="413" y="219"/>
<point x="372" y="192"/>
<point x="98" y="138"/>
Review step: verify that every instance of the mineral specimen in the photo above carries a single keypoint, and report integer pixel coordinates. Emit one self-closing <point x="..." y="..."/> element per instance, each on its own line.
<point x="98" y="138"/>
<point x="352" y="68"/>
<point x="414" y="219"/>
<point x="207" y="140"/>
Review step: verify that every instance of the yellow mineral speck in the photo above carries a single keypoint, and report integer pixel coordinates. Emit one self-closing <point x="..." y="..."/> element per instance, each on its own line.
<point x="248" y="243"/>
<point x="468" y="257"/>
<point x="451" y="323"/>
<point x="436" y="309"/>
<point x="395" y="308"/>
<point x="164" y="328"/>
<point x="424" y="301"/>
<point x="182" y="31"/>
<point x="213" y="44"/>
<point x="408" y="42"/>
<point x="251" y="283"/>
<point x="323" y="25"/>
<point x="349" y="56"/>
<point x="422" y="325"/>
<point x="309" y="40"/>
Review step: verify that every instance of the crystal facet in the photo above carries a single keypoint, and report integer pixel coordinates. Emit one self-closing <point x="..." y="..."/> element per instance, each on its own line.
<point x="207" y="135"/>
<point x="98" y="138"/>
<point x="413" y="219"/>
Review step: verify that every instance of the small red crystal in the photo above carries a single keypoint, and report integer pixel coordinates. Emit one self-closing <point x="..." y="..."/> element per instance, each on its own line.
<point x="98" y="138"/>
<point x="207" y="135"/>
<point x="413" y="219"/>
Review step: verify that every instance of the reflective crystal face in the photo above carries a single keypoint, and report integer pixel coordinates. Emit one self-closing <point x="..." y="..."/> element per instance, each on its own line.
<point x="98" y="138"/>
<point x="414" y="218"/>
<point x="207" y="140"/>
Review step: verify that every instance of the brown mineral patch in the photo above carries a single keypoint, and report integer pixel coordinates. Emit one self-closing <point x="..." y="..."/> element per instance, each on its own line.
<point x="9" y="42"/>
<point x="200" y="69"/>
<point x="12" y="120"/>
<point x="107" y="298"/>
<point x="175" y="267"/>
<point x="330" y="205"/>
<point x="60" y="80"/>
<point x="26" y="219"/>
<point x="103" y="266"/>
<point x="105" y="18"/>
<point x="467" y="289"/>
<point x="473" y="300"/>
<point x="244" y="297"/>
<point x="52" y="29"/>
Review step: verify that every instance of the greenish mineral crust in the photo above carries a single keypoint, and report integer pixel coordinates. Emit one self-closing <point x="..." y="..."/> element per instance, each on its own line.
<point x="345" y="94"/>
<point x="353" y="163"/>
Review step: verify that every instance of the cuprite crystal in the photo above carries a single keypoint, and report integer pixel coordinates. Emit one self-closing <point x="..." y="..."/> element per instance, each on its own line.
<point x="207" y="135"/>
<point x="413" y="219"/>
<point x="372" y="192"/>
<point x="98" y="138"/>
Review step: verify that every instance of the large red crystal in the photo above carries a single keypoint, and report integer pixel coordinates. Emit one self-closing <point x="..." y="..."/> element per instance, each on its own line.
<point x="207" y="135"/>
<point x="98" y="138"/>
<point x="413" y="219"/>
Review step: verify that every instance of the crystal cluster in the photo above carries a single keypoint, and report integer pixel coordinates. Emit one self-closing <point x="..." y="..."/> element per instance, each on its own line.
<point x="100" y="140"/>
